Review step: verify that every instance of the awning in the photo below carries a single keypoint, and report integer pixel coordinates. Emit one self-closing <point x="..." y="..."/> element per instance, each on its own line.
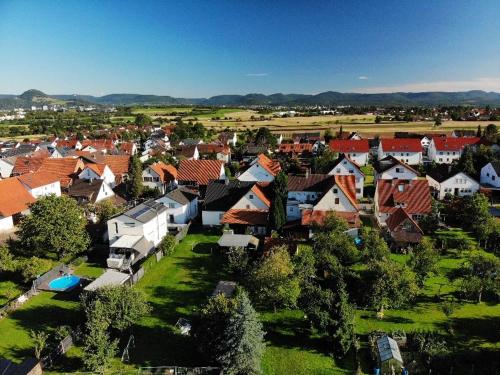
<point x="137" y="243"/>
<point x="108" y="278"/>
<point x="237" y="240"/>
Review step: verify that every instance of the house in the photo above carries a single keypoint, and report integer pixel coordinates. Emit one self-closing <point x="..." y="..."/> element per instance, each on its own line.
<point x="41" y="184"/>
<point x="459" y="133"/>
<point x="446" y="150"/>
<point x="128" y="148"/>
<point x="444" y="180"/>
<point x="160" y="176"/>
<point x="389" y="357"/>
<point x="29" y="163"/>
<point x="344" y="166"/>
<point x="340" y="199"/>
<point x="390" y="168"/>
<point x="296" y="149"/>
<point x="412" y="195"/>
<point x="190" y="142"/>
<point x="403" y="229"/>
<point x="7" y="166"/>
<point x="217" y="150"/>
<point x="304" y="192"/>
<point x="182" y="205"/>
<point x="90" y="191"/>
<point x="406" y="150"/>
<point x="67" y="169"/>
<point x="135" y="233"/>
<point x="119" y="164"/>
<point x="490" y="174"/>
<point x="14" y="202"/>
<point x="262" y="169"/>
<point x="242" y="204"/>
<point x="199" y="173"/>
<point x="106" y="146"/>
<point x="356" y="150"/>
<point x="189" y="152"/>
<point x="94" y="171"/>
<point x="228" y="138"/>
<point x="74" y="144"/>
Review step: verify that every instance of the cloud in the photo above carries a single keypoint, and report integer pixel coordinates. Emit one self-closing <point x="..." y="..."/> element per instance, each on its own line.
<point x="363" y="77"/>
<point x="486" y="84"/>
<point x="256" y="74"/>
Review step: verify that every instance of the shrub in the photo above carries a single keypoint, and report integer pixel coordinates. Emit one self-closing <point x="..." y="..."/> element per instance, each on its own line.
<point x="167" y="245"/>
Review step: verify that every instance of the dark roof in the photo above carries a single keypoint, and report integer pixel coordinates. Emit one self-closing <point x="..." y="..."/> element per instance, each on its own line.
<point x="182" y="195"/>
<point x="21" y="150"/>
<point x="144" y="212"/>
<point x="221" y="196"/>
<point x="85" y="189"/>
<point x="442" y="172"/>
<point x="388" y="162"/>
<point x="313" y="182"/>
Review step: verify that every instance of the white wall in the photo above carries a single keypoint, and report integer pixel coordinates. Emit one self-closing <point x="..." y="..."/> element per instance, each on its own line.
<point x="6" y="223"/>
<point x="256" y="173"/>
<point x="346" y="168"/>
<point x="411" y="158"/>
<point x="360" y="158"/>
<point x="211" y="217"/>
<point x="153" y="231"/>
<point x="107" y="175"/>
<point x="5" y="169"/>
<point x="182" y="213"/>
<point x="327" y="202"/>
<point x="443" y="157"/>
<point x="250" y="201"/>
<point x="105" y="192"/>
<point x="462" y="182"/>
<point x="398" y="171"/>
<point x="489" y="176"/>
<point x="43" y="191"/>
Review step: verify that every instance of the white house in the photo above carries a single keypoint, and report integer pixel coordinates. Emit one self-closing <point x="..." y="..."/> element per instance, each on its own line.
<point x="135" y="233"/>
<point x="160" y="176"/>
<point x="98" y="172"/>
<point x="41" y="184"/>
<point x="182" y="205"/>
<point x="90" y="191"/>
<point x="406" y="150"/>
<point x="6" y="166"/>
<point x="14" y="202"/>
<point x="344" y="167"/>
<point x="356" y="150"/>
<point x="444" y="150"/>
<point x="490" y="174"/>
<point x="262" y="169"/>
<point x="390" y="168"/>
<point x="443" y="180"/>
<point x="304" y="192"/>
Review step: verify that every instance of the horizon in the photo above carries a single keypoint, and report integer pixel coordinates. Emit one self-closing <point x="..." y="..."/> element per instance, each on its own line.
<point x="199" y="50"/>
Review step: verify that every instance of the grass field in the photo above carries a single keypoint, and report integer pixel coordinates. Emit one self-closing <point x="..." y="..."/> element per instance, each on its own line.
<point x="160" y="111"/>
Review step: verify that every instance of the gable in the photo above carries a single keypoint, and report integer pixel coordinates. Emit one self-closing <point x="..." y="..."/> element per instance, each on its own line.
<point x="251" y="200"/>
<point x="328" y="201"/>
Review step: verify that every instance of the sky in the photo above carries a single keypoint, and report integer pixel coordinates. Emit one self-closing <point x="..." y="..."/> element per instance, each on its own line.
<point x="205" y="48"/>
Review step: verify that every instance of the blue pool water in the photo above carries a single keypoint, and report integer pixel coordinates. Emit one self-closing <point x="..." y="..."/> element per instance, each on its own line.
<point x="64" y="282"/>
<point x="358" y="241"/>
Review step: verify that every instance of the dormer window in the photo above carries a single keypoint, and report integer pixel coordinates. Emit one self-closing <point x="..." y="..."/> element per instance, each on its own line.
<point x="401" y="188"/>
<point x="335" y="191"/>
<point x="250" y="196"/>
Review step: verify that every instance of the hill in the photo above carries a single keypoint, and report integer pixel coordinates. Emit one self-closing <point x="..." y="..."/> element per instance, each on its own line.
<point x="328" y="98"/>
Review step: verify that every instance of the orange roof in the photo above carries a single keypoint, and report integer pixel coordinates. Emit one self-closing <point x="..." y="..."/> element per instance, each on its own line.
<point x="257" y="190"/>
<point x="297" y="148"/>
<point x="26" y="164"/>
<point x="200" y="171"/>
<point x="245" y="217"/>
<point x="119" y="164"/>
<point x="166" y="172"/>
<point x="398" y="217"/>
<point x="64" y="168"/>
<point x="99" y="144"/>
<point x="127" y="147"/>
<point x="415" y="195"/>
<point x="213" y="148"/>
<point x="348" y="185"/>
<point x="272" y="166"/>
<point x="14" y="198"/>
<point x="310" y="217"/>
<point x="37" y="179"/>
<point x="69" y="143"/>
<point x="97" y="168"/>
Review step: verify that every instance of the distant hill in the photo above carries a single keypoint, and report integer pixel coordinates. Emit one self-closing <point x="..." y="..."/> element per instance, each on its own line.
<point x="328" y="98"/>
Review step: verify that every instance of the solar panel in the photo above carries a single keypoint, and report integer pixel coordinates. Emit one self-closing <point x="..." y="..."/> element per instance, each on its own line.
<point x="140" y="212"/>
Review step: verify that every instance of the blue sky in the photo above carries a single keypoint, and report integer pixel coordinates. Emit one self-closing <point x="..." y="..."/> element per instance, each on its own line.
<point x="204" y="48"/>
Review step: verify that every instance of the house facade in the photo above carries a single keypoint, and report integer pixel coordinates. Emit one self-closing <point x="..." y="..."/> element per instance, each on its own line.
<point x="160" y="176"/>
<point x="356" y="150"/>
<point x="443" y="181"/>
<point x="14" y="202"/>
<point x="40" y="184"/>
<point x="262" y="169"/>
<point x="490" y="174"/>
<point x="344" y="166"/>
<point x="445" y="150"/>
<point x="98" y="172"/>
<point x="181" y="204"/>
<point x="390" y="168"/>
<point x="406" y="150"/>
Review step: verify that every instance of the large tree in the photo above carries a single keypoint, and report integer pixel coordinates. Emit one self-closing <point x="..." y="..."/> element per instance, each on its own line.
<point x="331" y="239"/>
<point x="136" y="185"/>
<point x="423" y="260"/>
<point x="273" y="281"/>
<point x="481" y="274"/>
<point x="280" y="192"/>
<point x="243" y="342"/>
<point x="141" y="120"/>
<point x="264" y="136"/>
<point x="475" y="216"/>
<point x="374" y="246"/>
<point x="56" y="225"/>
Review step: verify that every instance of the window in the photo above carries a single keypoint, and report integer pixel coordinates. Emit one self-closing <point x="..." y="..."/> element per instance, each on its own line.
<point x="338" y="170"/>
<point x="398" y="170"/>
<point x="250" y="196"/>
<point x="335" y="191"/>
<point x="171" y="205"/>
<point x="487" y="174"/>
<point x="351" y="171"/>
<point x="493" y="178"/>
<point x="148" y="179"/>
<point x="337" y="200"/>
<point x="116" y="227"/>
<point x="248" y="206"/>
<point x="358" y="191"/>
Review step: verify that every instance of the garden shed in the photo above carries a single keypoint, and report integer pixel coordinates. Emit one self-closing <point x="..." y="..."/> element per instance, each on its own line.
<point x="389" y="356"/>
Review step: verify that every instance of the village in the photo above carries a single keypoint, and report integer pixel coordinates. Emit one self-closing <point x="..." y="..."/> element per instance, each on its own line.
<point x="287" y="217"/>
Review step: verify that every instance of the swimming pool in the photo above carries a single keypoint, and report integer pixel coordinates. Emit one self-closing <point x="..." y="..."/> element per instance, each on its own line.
<point x="64" y="282"/>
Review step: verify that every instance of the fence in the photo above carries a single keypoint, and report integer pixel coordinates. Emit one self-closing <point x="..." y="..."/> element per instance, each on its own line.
<point x="137" y="276"/>
<point x="182" y="233"/>
<point x="175" y="370"/>
<point x="64" y="345"/>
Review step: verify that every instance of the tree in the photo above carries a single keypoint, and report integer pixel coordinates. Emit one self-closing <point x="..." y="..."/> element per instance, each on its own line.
<point x="378" y="120"/>
<point x="475" y="215"/>
<point x="479" y="133"/>
<point x="33" y="267"/>
<point x="437" y="121"/>
<point x="324" y="162"/>
<point x="280" y="192"/>
<point x="106" y="209"/>
<point x="481" y="274"/>
<point x="55" y="225"/>
<point x="491" y="132"/>
<point x="273" y="281"/>
<point x="136" y="185"/>
<point x="423" y="260"/>
<point x="167" y="245"/>
<point x="264" y="136"/>
<point x="430" y="222"/>
<point x="343" y="312"/>
<point x="141" y="120"/>
<point x="331" y="239"/>
<point x="328" y="136"/>
<point x="39" y="339"/>
<point x="243" y="340"/>
<point x="466" y="162"/>
<point x="7" y="261"/>
<point x="391" y="284"/>
<point x="374" y="246"/>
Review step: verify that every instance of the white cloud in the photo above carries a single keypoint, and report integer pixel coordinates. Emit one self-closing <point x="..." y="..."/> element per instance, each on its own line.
<point x="363" y="77"/>
<point x="486" y="84"/>
<point x="256" y="74"/>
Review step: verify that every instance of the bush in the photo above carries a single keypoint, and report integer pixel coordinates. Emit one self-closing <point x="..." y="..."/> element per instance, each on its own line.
<point x="167" y="245"/>
<point x="34" y="267"/>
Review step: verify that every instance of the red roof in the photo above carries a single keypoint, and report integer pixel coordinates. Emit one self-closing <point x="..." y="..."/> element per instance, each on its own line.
<point x="68" y="143"/>
<point x="213" y="148"/>
<point x="14" y="198"/>
<point x="454" y="144"/>
<point x="127" y="147"/>
<point x="413" y="195"/>
<point x="348" y="185"/>
<point x="296" y="148"/>
<point x="200" y="171"/>
<point x="64" y="168"/>
<point x="119" y="164"/>
<point x="310" y="217"/>
<point x="97" y="168"/>
<point x="401" y="145"/>
<point x="27" y="164"/>
<point x="257" y="190"/>
<point x="398" y="217"/>
<point x="99" y="144"/>
<point x="272" y="166"/>
<point x="245" y="217"/>
<point x="166" y="172"/>
<point x="37" y="179"/>
<point x="349" y="145"/>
